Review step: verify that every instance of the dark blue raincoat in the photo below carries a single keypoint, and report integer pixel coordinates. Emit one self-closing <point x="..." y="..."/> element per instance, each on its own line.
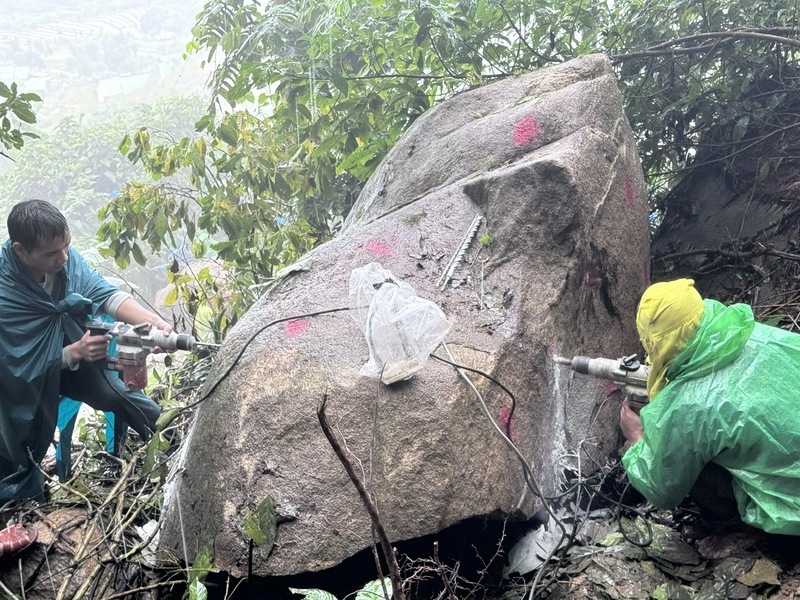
<point x="34" y="328"/>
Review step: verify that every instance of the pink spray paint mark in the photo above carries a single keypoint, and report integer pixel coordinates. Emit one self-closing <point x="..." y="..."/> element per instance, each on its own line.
<point x="378" y="248"/>
<point x="591" y="276"/>
<point x="526" y="131"/>
<point x="505" y="415"/>
<point x="629" y="192"/>
<point x="295" y="327"/>
<point x="610" y="387"/>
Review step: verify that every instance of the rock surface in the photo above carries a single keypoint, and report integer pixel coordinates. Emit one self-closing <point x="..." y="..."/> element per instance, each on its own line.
<point x="549" y="163"/>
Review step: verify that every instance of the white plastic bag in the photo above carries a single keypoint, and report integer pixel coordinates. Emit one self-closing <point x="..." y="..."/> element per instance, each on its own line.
<point x="401" y="328"/>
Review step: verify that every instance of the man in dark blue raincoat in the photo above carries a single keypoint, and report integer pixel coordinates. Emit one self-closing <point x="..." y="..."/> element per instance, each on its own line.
<point x="47" y="293"/>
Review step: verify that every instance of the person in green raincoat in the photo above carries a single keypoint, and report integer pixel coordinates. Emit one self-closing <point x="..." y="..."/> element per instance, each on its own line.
<point x="47" y="294"/>
<point x="724" y="409"/>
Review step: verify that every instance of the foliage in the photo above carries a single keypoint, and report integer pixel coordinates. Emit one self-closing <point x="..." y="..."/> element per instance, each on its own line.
<point x="16" y="110"/>
<point x="259" y="525"/>
<point x="310" y="96"/>
<point x="201" y="567"/>
<point x="77" y="167"/>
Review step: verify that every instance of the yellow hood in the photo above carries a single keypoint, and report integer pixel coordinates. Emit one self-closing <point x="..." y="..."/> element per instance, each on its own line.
<point x="668" y="315"/>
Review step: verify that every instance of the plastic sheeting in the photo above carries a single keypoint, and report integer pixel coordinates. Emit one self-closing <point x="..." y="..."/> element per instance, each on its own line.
<point x="401" y="328"/>
<point x="732" y="399"/>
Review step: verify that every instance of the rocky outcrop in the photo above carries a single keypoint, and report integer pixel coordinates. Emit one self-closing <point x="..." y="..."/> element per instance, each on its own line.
<point x="548" y="163"/>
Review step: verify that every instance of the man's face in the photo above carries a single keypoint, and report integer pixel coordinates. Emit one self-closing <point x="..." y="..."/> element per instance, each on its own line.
<point x="45" y="258"/>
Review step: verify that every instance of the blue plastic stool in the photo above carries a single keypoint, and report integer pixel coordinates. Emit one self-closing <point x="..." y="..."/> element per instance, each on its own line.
<point x="67" y="417"/>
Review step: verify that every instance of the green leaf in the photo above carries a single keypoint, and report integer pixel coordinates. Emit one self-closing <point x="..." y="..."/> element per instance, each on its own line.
<point x="260" y="525"/>
<point x="197" y="591"/>
<point x="204" y="123"/>
<point x="340" y="82"/>
<point x="138" y="255"/>
<point x="172" y="297"/>
<point x="374" y="590"/>
<point x="24" y="114"/>
<point x="741" y="128"/>
<point x="203" y="563"/>
<point x="166" y="417"/>
<point x="161" y="224"/>
<point x="313" y="594"/>
<point x="228" y="134"/>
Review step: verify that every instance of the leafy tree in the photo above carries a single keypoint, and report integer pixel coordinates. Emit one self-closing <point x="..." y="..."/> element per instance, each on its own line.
<point x="309" y="96"/>
<point x="77" y="167"/>
<point x="16" y="110"/>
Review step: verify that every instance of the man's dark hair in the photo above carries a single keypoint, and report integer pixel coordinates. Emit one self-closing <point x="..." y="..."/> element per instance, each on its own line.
<point x="35" y="222"/>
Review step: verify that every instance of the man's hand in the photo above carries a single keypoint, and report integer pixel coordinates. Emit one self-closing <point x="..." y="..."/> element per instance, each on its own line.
<point x="89" y="347"/>
<point x="166" y="329"/>
<point x="163" y="326"/>
<point x="629" y="420"/>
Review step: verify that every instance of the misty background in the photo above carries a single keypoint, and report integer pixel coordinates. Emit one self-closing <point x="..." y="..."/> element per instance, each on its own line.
<point x="103" y="69"/>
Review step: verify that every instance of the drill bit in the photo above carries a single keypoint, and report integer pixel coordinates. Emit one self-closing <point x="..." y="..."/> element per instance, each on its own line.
<point x="206" y="345"/>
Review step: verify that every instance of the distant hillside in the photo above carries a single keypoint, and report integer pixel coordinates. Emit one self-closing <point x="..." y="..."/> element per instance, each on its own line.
<point x="86" y="56"/>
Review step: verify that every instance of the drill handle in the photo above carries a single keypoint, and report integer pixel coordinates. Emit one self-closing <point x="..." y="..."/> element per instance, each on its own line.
<point x="99" y="327"/>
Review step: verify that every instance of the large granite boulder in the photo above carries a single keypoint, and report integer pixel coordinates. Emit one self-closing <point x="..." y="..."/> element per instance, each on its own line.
<point x="548" y="161"/>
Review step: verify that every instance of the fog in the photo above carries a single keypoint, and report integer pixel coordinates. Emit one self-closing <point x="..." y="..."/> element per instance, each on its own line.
<point x="89" y="56"/>
<point x="102" y="69"/>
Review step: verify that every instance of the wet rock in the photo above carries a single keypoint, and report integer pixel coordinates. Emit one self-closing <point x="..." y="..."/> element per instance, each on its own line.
<point x="548" y="164"/>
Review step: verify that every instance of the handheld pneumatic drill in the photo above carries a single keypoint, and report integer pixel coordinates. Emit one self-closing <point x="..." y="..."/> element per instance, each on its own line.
<point x="627" y="372"/>
<point x="134" y="343"/>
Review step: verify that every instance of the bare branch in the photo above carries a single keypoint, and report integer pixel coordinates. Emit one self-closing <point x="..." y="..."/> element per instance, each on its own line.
<point x="369" y="504"/>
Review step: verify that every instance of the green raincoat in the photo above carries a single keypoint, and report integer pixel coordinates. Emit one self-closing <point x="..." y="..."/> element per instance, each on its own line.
<point x="34" y="328"/>
<point x="732" y="398"/>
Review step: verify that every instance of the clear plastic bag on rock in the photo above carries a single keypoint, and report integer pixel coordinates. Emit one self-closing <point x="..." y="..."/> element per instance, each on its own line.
<point x="401" y="328"/>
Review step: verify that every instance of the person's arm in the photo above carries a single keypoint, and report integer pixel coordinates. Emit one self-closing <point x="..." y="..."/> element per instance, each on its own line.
<point x="95" y="347"/>
<point x="675" y="445"/>
<point x="133" y="313"/>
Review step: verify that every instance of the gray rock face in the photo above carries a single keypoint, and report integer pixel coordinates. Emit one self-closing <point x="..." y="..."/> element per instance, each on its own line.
<point x="549" y="163"/>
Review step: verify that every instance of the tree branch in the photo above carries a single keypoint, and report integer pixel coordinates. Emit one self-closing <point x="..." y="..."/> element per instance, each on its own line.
<point x="676" y="46"/>
<point x="369" y="503"/>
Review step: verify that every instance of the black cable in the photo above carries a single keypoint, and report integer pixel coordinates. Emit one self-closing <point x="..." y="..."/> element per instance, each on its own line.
<point x="649" y="538"/>
<point x="493" y="380"/>
<point x="527" y="475"/>
<point x="250" y="341"/>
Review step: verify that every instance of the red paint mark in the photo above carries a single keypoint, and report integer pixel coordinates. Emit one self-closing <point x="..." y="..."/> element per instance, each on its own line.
<point x="553" y="349"/>
<point x="629" y="192"/>
<point x="505" y="415"/>
<point x="378" y="248"/>
<point x="526" y="131"/>
<point x="610" y="387"/>
<point x="295" y="327"/>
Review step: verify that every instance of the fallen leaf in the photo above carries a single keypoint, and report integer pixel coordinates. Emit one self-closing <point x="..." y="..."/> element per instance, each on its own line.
<point x="763" y="571"/>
